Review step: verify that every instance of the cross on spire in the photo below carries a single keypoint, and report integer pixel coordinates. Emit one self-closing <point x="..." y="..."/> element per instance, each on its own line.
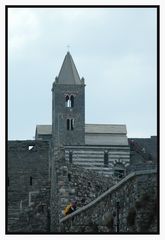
<point x="68" y="47"/>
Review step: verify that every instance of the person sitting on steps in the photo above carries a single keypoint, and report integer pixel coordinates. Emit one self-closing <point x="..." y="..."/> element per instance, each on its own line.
<point x="71" y="207"/>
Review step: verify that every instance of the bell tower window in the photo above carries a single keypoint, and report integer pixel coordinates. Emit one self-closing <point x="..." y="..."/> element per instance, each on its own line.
<point x="72" y="101"/>
<point x="67" y="101"/>
<point x="70" y="124"/>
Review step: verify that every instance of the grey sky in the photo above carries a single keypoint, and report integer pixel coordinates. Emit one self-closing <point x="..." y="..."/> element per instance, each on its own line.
<point x="113" y="49"/>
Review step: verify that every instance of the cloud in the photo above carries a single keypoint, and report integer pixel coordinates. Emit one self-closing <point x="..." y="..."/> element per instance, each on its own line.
<point x="23" y="27"/>
<point x="114" y="49"/>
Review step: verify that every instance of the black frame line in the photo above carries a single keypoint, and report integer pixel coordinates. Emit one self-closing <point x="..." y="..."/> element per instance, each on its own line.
<point x="6" y="108"/>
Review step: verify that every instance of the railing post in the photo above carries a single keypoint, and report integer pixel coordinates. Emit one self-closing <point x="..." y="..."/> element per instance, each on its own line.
<point x="117" y="216"/>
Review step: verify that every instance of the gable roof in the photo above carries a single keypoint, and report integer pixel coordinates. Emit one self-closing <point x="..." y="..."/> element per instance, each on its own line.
<point x="89" y="128"/>
<point x="68" y="73"/>
<point x="44" y="129"/>
<point x="106" y="128"/>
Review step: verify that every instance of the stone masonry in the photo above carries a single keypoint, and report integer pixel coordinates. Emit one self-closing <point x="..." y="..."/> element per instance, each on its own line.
<point x="96" y="195"/>
<point x="137" y="208"/>
<point x="27" y="176"/>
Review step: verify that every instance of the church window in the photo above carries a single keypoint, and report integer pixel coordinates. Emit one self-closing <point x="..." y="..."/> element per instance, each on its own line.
<point x="72" y="101"/>
<point x="68" y="124"/>
<point x="67" y="101"/>
<point x="30" y="147"/>
<point x="105" y="159"/>
<point x="72" y="124"/>
<point x="31" y="180"/>
<point x="70" y="157"/>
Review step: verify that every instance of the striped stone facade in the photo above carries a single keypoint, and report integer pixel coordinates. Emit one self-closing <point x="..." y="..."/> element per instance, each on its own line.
<point x="93" y="157"/>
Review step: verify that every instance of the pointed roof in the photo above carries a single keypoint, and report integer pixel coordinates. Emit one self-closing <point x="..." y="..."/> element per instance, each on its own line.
<point x="68" y="73"/>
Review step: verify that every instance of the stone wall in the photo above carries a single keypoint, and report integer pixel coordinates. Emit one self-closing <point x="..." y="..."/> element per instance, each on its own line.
<point x="59" y="186"/>
<point x="140" y="167"/>
<point x="34" y="218"/>
<point x="147" y="147"/>
<point x="70" y="182"/>
<point x="86" y="185"/>
<point x="126" y="207"/>
<point x="97" y="196"/>
<point x="27" y="164"/>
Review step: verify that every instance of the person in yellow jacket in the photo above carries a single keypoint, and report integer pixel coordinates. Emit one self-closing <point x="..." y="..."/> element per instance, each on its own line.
<point x="71" y="207"/>
<point x="67" y="210"/>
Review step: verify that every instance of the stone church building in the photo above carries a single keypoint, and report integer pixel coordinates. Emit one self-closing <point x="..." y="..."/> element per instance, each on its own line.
<point x="100" y="147"/>
<point x="73" y="160"/>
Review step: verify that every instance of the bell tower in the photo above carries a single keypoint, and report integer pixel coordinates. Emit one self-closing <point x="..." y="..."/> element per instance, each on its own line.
<point x="68" y="105"/>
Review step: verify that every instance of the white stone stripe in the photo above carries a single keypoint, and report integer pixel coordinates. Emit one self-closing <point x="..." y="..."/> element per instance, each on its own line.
<point x="117" y="159"/>
<point x="86" y="159"/>
<point x="98" y="155"/>
<point x="103" y="147"/>
<point x="119" y="156"/>
<point x="99" y="152"/>
<point x="99" y="160"/>
<point x="88" y="164"/>
<point x="89" y="159"/>
<point x="97" y="168"/>
<point x="89" y="155"/>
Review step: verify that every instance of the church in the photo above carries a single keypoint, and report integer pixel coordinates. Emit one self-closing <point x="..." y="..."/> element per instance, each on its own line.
<point x="100" y="147"/>
<point x="94" y="164"/>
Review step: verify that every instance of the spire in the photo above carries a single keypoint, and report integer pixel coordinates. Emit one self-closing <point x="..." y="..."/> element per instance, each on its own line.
<point x="68" y="73"/>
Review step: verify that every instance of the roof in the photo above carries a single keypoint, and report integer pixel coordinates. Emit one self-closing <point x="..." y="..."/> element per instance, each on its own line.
<point x="44" y="129"/>
<point x="68" y="73"/>
<point x="105" y="128"/>
<point x="89" y="128"/>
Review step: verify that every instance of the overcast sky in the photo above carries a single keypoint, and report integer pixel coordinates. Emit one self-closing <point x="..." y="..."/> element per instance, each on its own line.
<point x="114" y="49"/>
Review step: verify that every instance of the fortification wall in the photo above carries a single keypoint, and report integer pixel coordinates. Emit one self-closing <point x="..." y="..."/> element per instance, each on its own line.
<point x="129" y="206"/>
<point x="86" y="185"/>
<point x="71" y="182"/>
<point x="27" y="177"/>
<point x="28" y="171"/>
